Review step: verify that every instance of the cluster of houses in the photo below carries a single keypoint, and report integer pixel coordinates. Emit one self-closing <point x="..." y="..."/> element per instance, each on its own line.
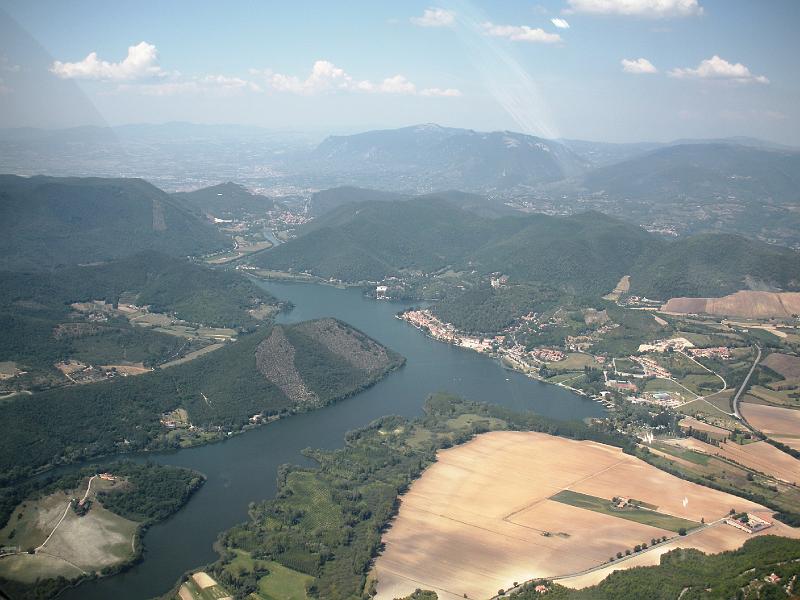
<point x="548" y="354"/>
<point x="677" y="343"/>
<point x="717" y="352"/>
<point x="651" y="367"/>
<point x="497" y="280"/>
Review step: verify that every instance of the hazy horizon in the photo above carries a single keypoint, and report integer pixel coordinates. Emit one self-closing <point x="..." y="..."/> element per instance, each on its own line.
<point x="561" y="69"/>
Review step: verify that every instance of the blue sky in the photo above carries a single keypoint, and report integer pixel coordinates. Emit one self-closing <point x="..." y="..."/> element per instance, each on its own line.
<point x="693" y="68"/>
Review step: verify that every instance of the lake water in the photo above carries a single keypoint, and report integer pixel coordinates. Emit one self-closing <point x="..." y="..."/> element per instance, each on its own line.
<point x="243" y="469"/>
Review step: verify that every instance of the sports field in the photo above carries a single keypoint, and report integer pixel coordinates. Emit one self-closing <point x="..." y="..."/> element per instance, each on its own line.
<point x="481" y="517"/>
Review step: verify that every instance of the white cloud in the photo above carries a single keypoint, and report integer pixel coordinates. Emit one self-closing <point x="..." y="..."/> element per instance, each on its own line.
<point x="520" y="33"/>
<point x="4" y="89"/>
<point x="435" y="17"/>
<point x="719" y="68"/>
<point x="653" y="9"/>
<point x="442" y="93"/>
<point x="638" y="66"/>
<point x="327" y="77"/>
<point x="560" y="23"/>
<point x="397" y="85"/>
<point x="220" y="85"/>
<point x="140" y="63"/>
<point x="324" y="76"/>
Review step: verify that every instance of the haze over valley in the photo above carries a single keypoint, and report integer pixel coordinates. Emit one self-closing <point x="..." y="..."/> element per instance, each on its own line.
<point x="400" y="302"/>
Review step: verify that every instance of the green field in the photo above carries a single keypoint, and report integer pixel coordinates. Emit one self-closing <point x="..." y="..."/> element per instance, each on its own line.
<point x="690" y="455"/>
<point x="638" y="515"/>
<point x="709" y="412"/>
<point x="469" y="420"/>
<point x="283" y="583"/>
<point x="575" y="361"/>
<point x="665" y="385"/>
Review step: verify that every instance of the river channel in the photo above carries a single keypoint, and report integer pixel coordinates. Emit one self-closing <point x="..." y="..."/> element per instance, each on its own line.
<point x="243" y="469"/>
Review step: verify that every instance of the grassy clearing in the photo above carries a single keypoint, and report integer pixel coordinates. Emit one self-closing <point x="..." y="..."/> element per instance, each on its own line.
<point x="776" y="397"/>
<point x="192" y="355"/>
<point x="721" y="401"/>
<point x="574" y="362"/>
<point x="705" y="411"/>
<point x="468" y="420"/>
<point x="283" y="583"/>
<point x="690" y="455"/>
<point x="665" y="385"/>
<point x="570" y="376"/>
<point x="638" y="515"/>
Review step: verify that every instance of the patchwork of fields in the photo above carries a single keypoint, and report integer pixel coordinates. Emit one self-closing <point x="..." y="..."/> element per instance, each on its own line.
<point x="483" y="516"/>
<point x="781" y="424"/>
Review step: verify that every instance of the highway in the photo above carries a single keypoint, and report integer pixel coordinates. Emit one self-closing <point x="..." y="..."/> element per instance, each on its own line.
<point x="741" y="389"/>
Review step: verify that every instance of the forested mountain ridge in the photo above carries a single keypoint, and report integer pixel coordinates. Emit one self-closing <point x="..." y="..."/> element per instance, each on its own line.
<point x="221" y="392"/>
<point x="329" y="200"/>
<point x="582" y="253"/>
<point x="226" y="200"/>
<point x="41" y="326"/>
<point x="51" y="221"/>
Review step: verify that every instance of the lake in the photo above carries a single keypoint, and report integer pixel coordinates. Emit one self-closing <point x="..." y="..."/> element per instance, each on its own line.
<point x="243" y="469"/>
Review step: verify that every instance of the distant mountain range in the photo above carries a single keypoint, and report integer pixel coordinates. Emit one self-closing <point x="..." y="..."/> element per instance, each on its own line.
<point x="741" y="185"/>
<point x="703" y="169"/>
<point x="46" y="222"/>
<point x="449" y="158"/>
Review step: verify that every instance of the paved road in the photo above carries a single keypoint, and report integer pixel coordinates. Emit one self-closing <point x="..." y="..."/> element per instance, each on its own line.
<point x="736" y="412"/>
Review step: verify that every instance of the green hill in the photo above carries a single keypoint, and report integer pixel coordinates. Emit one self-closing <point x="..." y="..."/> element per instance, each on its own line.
<point x="220" y="391"/>
<point x="225" y="200"/>
<point x="370" y="240"/>
<point x="327" y="200"/>
<point x="707" y="265"/>
<point x="702" y="169"/>
<point x="40" y="327"/>
<point x="49" y="221"/>
<point x="583" y="254"/>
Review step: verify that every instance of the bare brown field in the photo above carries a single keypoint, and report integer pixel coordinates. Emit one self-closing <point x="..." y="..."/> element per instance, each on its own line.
<point x="774" y="421"/>
<point x="746" y="303"/>
<point x="793" y="443"/>
<point x="783" y="364"/>
<point x="203" y="580"/>
<point x="480" y="518"/>
<point x="131" y="369"/>
<point x="711" y="540"/>
<point x="759" y="456"/>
